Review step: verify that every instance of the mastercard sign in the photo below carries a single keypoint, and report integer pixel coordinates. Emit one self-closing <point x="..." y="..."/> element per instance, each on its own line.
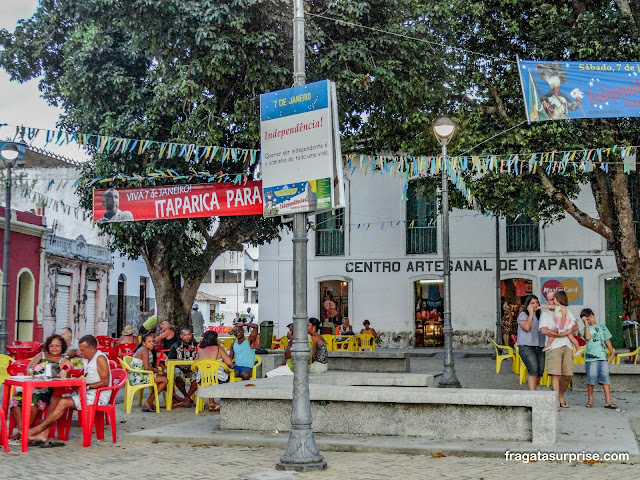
<point x="573" y="287"/>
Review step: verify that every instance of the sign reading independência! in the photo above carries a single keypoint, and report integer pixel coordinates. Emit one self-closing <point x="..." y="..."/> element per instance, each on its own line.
<point x="300" y="150"/>
<point x="171" y="202"/>
<point x="568" y="90"/>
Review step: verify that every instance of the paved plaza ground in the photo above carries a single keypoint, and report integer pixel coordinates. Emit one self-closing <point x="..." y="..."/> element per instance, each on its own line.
<point x="130" y="458"/>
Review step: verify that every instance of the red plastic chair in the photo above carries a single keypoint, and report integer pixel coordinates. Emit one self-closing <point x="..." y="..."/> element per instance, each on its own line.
<point x="125" y="349"/>
<point x="98" y="414"/>
<point x="4" y="437"/>
<point x="18" y="367"/>
<point x="113" y="364"/>
<point x="110" y="352"/>
<point x="106" y="341"/>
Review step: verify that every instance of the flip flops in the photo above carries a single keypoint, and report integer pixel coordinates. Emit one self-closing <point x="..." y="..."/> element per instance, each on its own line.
<point x="611" y="405"/>
<point x="52" y="444"/>
<point x="35" y="443"/>
<point x="564" y="405"/>
<point x="148" y="410"/>
<point x="589" y="405"/>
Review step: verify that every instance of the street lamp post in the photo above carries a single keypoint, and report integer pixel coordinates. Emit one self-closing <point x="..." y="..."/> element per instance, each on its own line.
<point x="302" y="454"/>
<point x="444" y="129"/>
<point x="11" y="154"/>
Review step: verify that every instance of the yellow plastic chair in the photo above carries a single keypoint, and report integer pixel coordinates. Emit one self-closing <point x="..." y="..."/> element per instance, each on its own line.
<point x="500" y="357"/>
<point x="350" y="344"/>
<point x="226" y="343"/>
<point x="579" y="360"/>
<point x="545" y="381"/>
<point x="208" y="376"/>
<point x="636" y="352"/>
<point x="130" y="390"/>
<point x="331" y="342"/>
<point x="5" y="360"/>
<point x="366" y="341"/>
<point x="284" y="342"/>
<point x="515" y="364"/>
<point x="232" y="375"/>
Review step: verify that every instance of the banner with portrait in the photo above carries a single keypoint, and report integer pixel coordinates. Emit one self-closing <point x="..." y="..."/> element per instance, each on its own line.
<point x="171" y="202"/>
<point x="568" y="90"/>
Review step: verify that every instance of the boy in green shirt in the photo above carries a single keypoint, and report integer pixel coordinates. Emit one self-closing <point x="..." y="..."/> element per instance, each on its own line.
<point x="597" y="356"/>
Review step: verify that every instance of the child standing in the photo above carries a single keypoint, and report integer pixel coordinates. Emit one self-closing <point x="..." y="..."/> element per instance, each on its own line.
<point x="597" y="357"/>
<point x="563" y="322"/>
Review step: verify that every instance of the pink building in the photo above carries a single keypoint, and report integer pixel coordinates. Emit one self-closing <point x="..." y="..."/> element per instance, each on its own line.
<point x="26" y="263"/>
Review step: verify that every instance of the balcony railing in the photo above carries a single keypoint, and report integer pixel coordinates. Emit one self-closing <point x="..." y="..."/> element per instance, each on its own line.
<point x="78" y="249"/>
<point x="422" y="239"/>
<point x="329" y="242"/>
<point x="523" y="237"/>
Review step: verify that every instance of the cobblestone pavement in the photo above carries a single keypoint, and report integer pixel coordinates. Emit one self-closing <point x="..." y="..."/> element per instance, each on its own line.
<point x="127" y="460"/>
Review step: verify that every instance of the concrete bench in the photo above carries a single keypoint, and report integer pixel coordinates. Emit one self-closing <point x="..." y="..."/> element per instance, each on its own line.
<point x="369" y="361"/>
<point x="413" y="411"/>
<point x="624" y="378"/>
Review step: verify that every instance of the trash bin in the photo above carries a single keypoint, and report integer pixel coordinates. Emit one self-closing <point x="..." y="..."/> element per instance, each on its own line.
<point x="630" y="334"/>
<point x="266" y="334"/>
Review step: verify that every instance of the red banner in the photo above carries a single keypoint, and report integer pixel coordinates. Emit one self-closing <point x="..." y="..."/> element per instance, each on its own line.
<point x="170" y="202"/>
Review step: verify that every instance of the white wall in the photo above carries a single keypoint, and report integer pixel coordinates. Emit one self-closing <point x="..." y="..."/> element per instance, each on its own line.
<point x="386" y="298"/>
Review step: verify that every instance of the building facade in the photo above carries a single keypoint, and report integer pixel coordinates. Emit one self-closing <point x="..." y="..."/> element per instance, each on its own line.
<point x="380" y="258"/>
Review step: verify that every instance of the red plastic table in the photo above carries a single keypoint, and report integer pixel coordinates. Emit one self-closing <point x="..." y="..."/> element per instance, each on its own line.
<point x="28" y="384"/>
<point x="21" y="352"/>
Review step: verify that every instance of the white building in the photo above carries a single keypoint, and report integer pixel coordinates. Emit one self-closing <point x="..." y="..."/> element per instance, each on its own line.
<point x="233" y="277"/>
<point x="380" y="258"/>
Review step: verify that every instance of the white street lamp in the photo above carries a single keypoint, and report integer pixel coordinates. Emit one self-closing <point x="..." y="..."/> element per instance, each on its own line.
<point x="444" y="130"/>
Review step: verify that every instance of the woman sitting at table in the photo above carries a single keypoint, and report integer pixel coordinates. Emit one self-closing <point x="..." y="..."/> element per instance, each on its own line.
<point x="346" y="328"/>
<point x="368" y="330"/>
<point x="53" y="353"/>
<point x="210" y="350"/>
<point x="143" y="360"/>
<point x="127" y="336"/>
<point x="167" y="336"/>
<point x="319" y="355"/>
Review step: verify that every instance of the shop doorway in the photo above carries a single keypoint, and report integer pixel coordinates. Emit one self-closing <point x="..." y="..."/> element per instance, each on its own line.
<point x="26" y="304"/>
<point x="334" y="301"/>
<point x="513" y="293"/>
<point x="429" y="313"/>
<point x="121" y="317"/>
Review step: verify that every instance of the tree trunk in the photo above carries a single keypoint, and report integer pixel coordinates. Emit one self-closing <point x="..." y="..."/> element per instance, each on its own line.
<point x="174" y="295"/>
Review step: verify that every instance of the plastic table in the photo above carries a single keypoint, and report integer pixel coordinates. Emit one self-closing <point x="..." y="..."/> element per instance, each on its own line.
<point x="28" y="384"/>
<point x="21" y="352"/>
<point x="171" y="364"/>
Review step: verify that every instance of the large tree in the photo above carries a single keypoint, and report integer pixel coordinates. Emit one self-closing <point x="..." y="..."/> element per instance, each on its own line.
<point x="191" y="71"/>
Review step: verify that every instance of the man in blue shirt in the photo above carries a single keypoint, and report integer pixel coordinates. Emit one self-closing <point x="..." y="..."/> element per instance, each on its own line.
<point x="243" y="355"/>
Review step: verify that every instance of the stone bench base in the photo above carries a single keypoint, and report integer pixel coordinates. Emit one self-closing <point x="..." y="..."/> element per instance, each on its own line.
<point x="624" y="378"/>
<point x="369" y="361"/>
<point x="389" y="410"/>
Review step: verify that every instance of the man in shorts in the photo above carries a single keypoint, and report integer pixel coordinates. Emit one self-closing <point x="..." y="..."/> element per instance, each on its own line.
<point x="186" y="349"/>
<point x="97" y="375"/>
<point x="242" y="352"/>
<point x="559" y="359"/>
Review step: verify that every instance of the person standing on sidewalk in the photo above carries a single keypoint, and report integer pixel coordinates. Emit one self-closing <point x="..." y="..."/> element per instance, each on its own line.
<point x="531" y="341"/>
<point x="197" y="319"/>
<point x="559" y="358"/>
<point x="597" y="357"/>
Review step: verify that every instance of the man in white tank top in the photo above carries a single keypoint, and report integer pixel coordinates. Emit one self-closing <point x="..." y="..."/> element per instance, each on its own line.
<point x="97" y="375"/>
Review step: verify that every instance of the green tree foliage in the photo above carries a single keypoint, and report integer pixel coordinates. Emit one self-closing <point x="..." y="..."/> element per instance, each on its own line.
<point x="192" y="71"/>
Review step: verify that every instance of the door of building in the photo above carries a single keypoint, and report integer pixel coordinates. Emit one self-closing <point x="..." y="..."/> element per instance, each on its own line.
<point x="62" y="302"/>
<point x="122" y="311"/>
<point x="613" y="309"/>
<point x="90" y="307"/>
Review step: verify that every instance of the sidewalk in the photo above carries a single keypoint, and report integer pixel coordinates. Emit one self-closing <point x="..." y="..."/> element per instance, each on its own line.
<point x="193" y="444"/>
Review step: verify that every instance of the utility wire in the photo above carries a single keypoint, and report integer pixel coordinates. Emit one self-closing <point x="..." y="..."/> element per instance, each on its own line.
<point x="401" y="35"/>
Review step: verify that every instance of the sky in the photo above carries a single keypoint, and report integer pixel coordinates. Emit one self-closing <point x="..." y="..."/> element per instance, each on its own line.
<point x="21" y="104"/>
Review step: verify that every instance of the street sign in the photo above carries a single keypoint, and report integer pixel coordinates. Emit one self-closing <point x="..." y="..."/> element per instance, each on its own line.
<point x="301" y="166"/>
